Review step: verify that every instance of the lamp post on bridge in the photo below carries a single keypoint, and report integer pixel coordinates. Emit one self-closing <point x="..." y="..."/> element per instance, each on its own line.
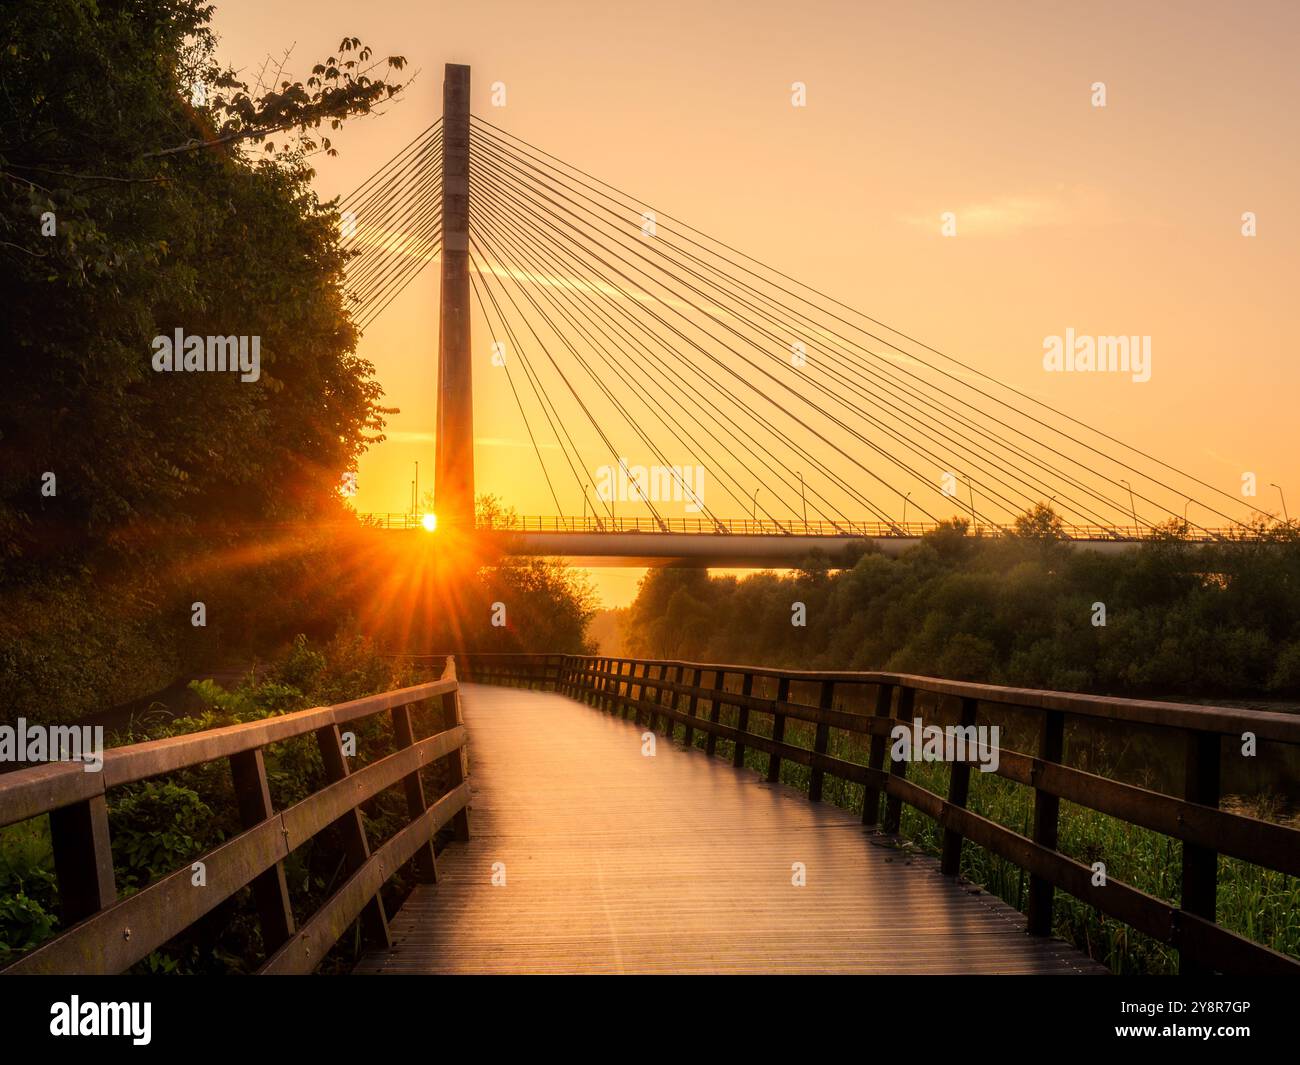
<point x="1285" y="516"/>
<point x="970" y="485"/>
<point x="1131" y="504"/>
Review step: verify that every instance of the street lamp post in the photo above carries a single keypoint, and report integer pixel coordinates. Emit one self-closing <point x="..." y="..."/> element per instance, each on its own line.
<point x="1285" y="515"/>
<point x="970" y="484"/>
<point x="1132" y="506"/>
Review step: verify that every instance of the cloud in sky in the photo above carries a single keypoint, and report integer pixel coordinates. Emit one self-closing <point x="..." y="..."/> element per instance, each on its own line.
<point x="1005" y="215"/>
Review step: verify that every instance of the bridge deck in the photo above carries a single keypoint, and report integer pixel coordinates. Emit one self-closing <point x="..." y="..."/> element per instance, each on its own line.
<point x="616" y="862"/>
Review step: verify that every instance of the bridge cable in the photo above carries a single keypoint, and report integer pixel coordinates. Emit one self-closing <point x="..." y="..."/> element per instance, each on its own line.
<point x="781" y="408"/>
<point x="679" y="432"/>
<point x="871" y="397"/>
<point x="547" y="405"/>
<point x="478" y="296"/>
<point x="602" y="287"/>
<point x="606" y="283"/>
<point x="563" y="377"/>
<point x="887" y="405"/>
<point x="913" y="355"/>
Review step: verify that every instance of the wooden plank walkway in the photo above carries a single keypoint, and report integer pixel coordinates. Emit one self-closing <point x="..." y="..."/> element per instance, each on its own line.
<point x="620" y="863"/>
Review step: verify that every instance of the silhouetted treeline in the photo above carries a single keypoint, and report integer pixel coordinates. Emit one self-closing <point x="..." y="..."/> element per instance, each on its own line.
<point x="1023" y="610"/>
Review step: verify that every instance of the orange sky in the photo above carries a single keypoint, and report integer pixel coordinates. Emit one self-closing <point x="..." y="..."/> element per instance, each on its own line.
<point x="1115" y="220"/>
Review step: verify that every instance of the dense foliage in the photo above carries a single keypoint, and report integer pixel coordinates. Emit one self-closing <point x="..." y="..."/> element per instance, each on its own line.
<point x="144" y="190"/>
<point x="120" y="221"/>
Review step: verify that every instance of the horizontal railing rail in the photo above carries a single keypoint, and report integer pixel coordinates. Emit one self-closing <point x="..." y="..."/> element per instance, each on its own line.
<point x="529" y="669"/>
<point x="792" y="527"/>
<point x="106" y="934"/>
<point x="669" y="694"/>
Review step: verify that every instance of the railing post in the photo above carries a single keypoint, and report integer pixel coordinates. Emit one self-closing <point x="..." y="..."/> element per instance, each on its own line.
<point x="1200" y="865"/>
<point x="616" y="689"/>
<point x="692" y="704"/>
<point x="958" y="790"/>
<point x="455" y="762"/>
<point x="876" y="759"/>
<point x="641" y="692"/>
<point x="1047" y="810"/>
<point x="650" y="714"/>
<point x="270" y="889"/>
<point x="742" y="721"/>
<point x="83" y="858"/>
<point x="898" y="767"/>
<point x="426" y="868"/>
<point x="638" y="683"/>
<point x="778" y="730"/>
<point x="719" y="685"/>
<point x="659" y="698"/>
<point x="672" y="703"/>
<point x="820" y="740"/>
<point x="352" y="830"/>
<point x="605" y="682"/>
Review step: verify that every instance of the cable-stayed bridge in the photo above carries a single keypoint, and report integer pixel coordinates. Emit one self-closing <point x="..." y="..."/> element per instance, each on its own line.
<point x="688" y="816"/>
<point x="681" y="399"/>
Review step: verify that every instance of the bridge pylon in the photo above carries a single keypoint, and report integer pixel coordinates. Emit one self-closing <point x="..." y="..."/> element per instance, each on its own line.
<point x="453" y="486"/>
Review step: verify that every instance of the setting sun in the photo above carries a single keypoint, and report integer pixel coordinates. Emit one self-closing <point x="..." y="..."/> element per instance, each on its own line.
<point x="430" y="522"/>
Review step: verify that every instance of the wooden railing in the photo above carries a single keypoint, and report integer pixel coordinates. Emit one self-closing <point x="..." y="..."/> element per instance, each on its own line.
<point x="693" y="695"/>
<point x="108" y="935"/>
<point x="515" y="670"/>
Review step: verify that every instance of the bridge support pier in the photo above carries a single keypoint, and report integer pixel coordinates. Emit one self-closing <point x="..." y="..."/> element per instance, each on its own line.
<point x="453" y="486"/>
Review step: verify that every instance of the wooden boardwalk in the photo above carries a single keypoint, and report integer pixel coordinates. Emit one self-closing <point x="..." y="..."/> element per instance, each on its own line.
<point x="616" y="862"/>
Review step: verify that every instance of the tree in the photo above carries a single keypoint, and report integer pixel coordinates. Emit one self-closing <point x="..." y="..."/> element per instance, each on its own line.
<point x="1040" y="523"/>
<point x="120" y="223"/>
<point x="131" y="205"/>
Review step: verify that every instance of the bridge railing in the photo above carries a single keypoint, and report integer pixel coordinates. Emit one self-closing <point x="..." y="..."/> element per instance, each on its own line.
<point x="759" y="705"/>
<point x="507" y="668"/>
<point x="108" y="934"/>
<point x="772" y="527"/>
